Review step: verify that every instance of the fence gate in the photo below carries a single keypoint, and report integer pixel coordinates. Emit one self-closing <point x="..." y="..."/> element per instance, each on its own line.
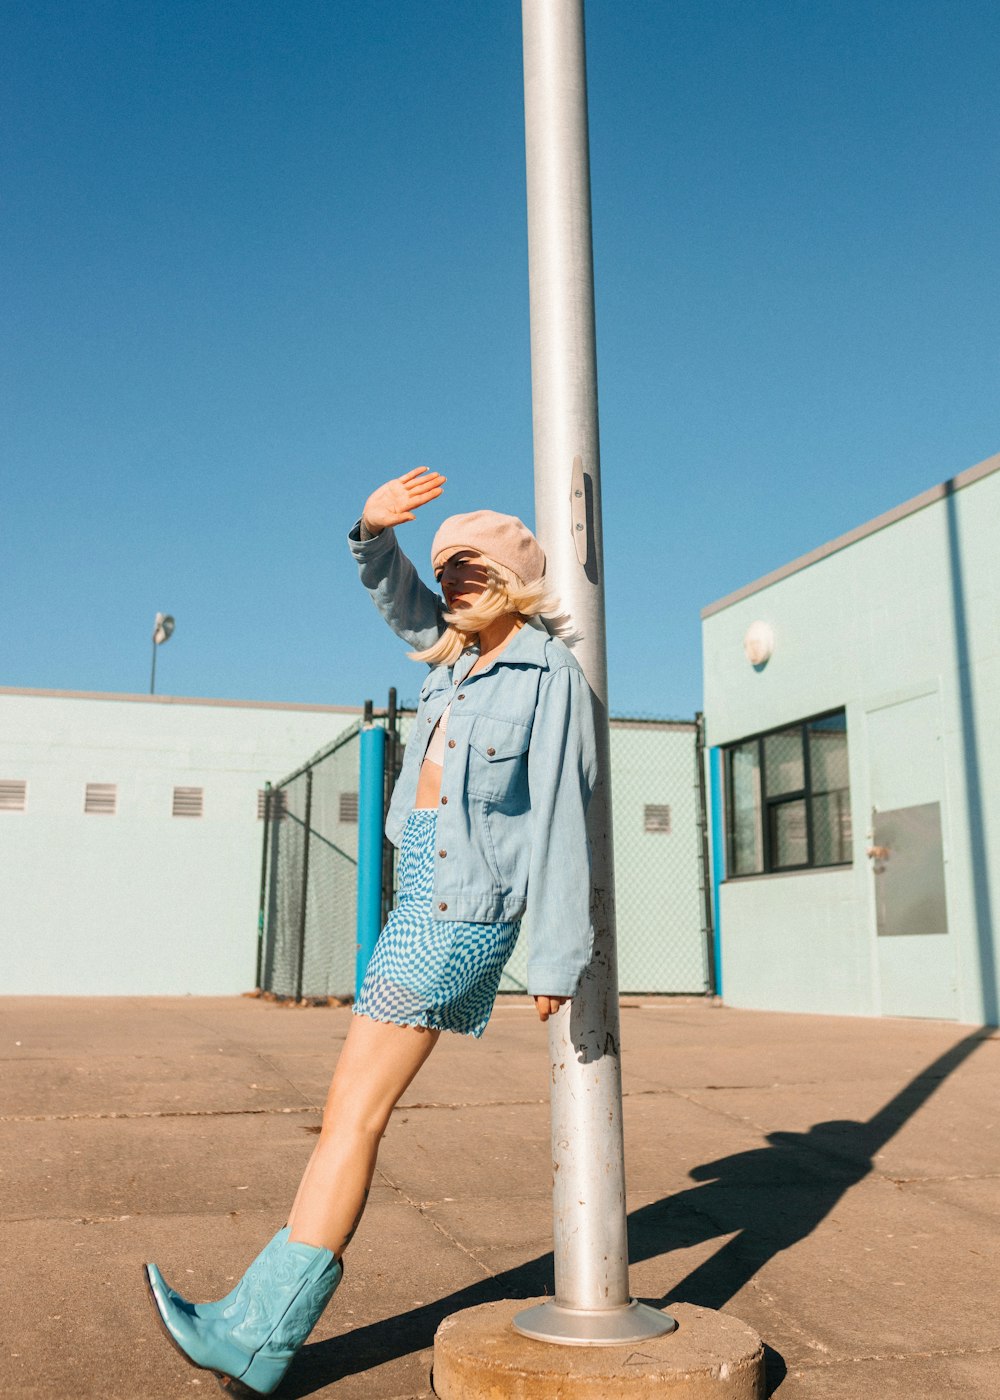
<point x="308" y="910"/>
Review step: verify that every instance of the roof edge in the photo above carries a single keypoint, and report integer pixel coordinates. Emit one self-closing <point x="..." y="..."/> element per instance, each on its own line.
<point x="871" y="527"/>
<point x="181" y="700"/>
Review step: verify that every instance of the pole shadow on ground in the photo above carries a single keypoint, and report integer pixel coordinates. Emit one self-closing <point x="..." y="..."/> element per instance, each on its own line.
<point x="807" y="1172"/>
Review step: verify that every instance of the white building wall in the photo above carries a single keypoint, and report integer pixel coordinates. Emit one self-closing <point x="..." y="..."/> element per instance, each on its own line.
<point x="141" y="902"/>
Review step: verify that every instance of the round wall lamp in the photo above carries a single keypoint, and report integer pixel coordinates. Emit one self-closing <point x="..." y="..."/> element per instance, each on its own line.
<point x="758" y="644"/>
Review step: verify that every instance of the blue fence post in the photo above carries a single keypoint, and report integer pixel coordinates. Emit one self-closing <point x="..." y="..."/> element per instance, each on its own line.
<point x="718" y="859"/>
<point x="371" y="789"/>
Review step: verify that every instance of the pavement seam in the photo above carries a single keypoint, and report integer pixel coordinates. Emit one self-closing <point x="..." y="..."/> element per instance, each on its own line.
<point x="155" y="1113"/>
<point x="821" y="1363"/>
<point x="932" y="1180"/>
<point x="309" y="1107"/>
<point x="186" y="1014"/>
<point x="290" y="1082"/>
<point x="421" y="1210"/>
<point x="518" y="1103"/>
<point x="874" y="1172"/>
<point x="689" y="1096"/>
<point x="471" y="1103"/>
<point x="769" y="1301"/>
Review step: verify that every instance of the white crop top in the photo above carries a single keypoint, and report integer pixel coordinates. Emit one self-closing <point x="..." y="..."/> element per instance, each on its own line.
<point x="435" y="749"/>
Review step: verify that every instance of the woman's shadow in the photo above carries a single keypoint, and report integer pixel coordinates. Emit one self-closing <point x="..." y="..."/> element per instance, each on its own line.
<point x="767" y="1199"/>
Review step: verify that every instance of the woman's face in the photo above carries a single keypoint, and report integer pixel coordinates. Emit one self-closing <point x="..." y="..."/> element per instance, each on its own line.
<point x="463" y="579"/>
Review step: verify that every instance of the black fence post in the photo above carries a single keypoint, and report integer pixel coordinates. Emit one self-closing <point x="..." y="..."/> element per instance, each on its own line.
<point x="391" y="755"/>
<point x="263" y="887"/>
<point x="706" y="880"/>
<point x="305" y="886"/>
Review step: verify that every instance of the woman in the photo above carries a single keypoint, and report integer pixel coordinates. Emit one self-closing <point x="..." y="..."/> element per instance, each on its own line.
<point x="489" y="810"/>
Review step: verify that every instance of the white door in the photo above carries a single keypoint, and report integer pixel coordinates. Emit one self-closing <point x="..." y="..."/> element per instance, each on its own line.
<point x="907" y="844"/>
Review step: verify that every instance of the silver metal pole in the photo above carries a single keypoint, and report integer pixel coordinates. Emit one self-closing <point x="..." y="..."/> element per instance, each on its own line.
<point x="592" y="1304"/>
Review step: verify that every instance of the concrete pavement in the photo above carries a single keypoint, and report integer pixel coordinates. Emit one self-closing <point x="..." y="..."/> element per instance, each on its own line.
<point x="835" y="1183"/>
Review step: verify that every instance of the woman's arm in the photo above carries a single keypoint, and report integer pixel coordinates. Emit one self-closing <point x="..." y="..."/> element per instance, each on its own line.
<point x="562" y="771"/>
<point x="410" y="608"/>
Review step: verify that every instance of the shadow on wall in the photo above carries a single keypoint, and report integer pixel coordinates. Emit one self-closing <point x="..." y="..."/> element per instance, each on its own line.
<point x="771" y="1197"/>
<point x="985" y="938"/>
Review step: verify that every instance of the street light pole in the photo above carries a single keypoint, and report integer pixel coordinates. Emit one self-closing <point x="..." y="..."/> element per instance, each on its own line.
<point x="592" y="1305"/>
<point x="163" y="630"/>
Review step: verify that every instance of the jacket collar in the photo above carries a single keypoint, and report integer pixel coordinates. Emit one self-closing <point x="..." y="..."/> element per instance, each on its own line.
<point x="525" y="648"/>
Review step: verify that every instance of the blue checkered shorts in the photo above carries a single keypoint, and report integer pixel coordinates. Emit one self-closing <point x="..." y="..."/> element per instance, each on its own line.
<point x="438" y="973"/>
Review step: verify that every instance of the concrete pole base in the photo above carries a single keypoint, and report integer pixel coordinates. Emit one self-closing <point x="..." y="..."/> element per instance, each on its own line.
<point x="711" y="1356"/>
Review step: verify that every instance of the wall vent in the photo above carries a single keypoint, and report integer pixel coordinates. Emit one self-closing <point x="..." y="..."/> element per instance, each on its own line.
<point x="101" y="799"/>
<point x="348" y="806"/>
<point x="279" y="804"/>
<point x="13" y="795"/>
<point x="188" y="802"/>
<point x="657" y="818"/>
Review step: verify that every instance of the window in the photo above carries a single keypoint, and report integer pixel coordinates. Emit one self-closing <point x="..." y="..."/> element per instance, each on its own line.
<point x="101" y="799"/>
<point x="188" y="802"/>
<point x="348" y="807"/>
<point x="13" y="795"/>
<point x="788" y="799"/>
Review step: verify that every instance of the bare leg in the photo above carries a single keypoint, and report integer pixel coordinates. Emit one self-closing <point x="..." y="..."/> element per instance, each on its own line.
<point x="377" y="1063"/>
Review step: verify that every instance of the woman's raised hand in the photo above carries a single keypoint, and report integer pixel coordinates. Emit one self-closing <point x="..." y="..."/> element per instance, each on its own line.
<point x="395" y="502"/>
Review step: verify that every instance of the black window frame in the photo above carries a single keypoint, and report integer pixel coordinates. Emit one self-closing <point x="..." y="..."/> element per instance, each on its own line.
<point x="771" y="804"/>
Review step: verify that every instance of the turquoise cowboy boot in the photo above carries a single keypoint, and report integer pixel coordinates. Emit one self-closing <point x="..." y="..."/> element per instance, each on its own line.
<point x="159" y="1287"/>
<point x="255" y="1338"/>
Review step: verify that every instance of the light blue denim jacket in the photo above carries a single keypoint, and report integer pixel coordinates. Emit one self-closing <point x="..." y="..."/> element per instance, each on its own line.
<point x="519" y="768"/>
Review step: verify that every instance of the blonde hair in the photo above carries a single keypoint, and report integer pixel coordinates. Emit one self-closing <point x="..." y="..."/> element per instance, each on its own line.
<point x="504" y="594"/>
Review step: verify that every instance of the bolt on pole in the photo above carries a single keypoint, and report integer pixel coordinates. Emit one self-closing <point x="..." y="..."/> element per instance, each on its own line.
<point x="592" y="1305"/>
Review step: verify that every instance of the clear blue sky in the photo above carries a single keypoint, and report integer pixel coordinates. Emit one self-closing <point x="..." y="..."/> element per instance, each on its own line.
<point x="257" y="257"/>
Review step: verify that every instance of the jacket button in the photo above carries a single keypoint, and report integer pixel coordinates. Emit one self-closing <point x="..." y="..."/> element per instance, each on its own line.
<point x="428" y="719"/>
<point x="442" y="907"/>
<point x="490" y="752"/>
<point x="442" y="854"/>
<point x="451" y="743"/>
<point x="444" y="802"/>
<point x="462" y="696"/>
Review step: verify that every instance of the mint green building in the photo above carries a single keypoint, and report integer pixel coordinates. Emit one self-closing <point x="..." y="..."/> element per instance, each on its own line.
<point x="852" y="702"/>
<point x="131" y="845"/>
<point x="130" y="838"/>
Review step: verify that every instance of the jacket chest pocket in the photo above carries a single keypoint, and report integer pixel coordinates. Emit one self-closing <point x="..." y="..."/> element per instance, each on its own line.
<point x="433" y="696"/>
<point x="497" y="758"/>
<point x="435" y="684"/>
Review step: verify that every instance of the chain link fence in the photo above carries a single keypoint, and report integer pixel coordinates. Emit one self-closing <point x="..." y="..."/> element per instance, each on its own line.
<point x="309" y="868"/>
<point x="308" y="911"/>
<point x="663" y="911"/>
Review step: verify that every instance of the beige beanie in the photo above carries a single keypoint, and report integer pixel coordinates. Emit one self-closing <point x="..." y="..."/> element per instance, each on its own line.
<point x="502" y="538"/>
